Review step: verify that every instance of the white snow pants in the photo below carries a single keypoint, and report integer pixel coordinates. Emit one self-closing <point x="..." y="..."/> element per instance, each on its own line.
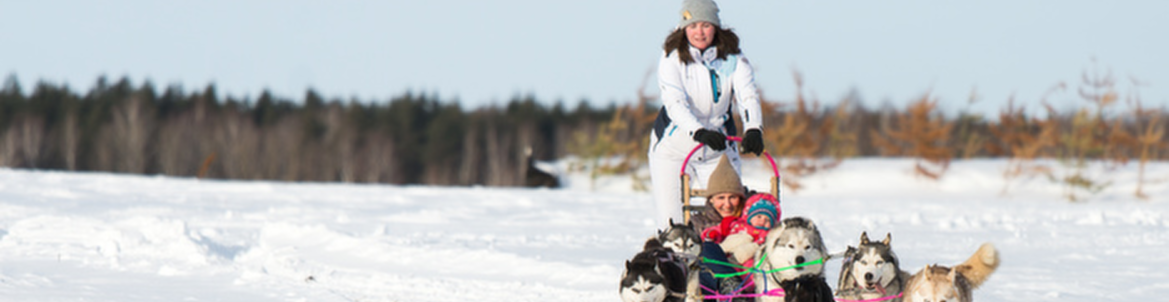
<point x="665" y="167"/>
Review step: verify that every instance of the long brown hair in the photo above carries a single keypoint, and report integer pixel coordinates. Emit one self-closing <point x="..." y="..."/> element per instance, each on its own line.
<point x="724" y="38"/>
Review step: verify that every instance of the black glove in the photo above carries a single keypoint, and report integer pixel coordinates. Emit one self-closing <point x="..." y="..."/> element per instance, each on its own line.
<point x="712" y="139"/>
<point x="753" y="141"/>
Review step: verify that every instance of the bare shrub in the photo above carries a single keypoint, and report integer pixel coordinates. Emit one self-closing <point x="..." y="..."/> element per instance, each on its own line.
<point x="922" y="133"/>
<point x="801" y="135"/>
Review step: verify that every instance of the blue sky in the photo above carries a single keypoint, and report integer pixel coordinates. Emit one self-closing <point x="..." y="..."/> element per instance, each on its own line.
<point x="486" y="52"/>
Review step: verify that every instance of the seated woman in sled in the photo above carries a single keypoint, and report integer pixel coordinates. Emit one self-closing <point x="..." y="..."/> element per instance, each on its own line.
<point x="739" y="237"/>
<point x="724" y="200"/>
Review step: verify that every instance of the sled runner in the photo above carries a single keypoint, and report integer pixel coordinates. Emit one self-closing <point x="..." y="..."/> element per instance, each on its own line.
<point x="688" y="192"/>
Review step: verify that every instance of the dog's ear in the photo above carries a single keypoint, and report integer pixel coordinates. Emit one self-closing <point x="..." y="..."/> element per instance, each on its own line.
<point x="652" y="243"/>
<point x="864" y="238"/>
<point x="888" y="239"/>
<point x="671" y="221"/>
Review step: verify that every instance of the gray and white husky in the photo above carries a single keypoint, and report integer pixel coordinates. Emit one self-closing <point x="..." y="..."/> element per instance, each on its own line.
<point x="871" y="271"/>
<point x="683" y="239"/>
<point x="666" y="269"/>
<point x="795" y="241"/>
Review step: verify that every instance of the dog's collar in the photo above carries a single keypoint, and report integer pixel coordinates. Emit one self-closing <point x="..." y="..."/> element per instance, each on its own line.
<point x="772" y="275"/>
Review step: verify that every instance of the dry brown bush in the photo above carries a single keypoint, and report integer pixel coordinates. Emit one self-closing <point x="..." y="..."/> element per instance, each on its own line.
<point x="920" y="132"/>
<point x="1148" y="140"/>
<point x="800" y="137"/>
<point x="1088" y="136"/>
<point x="1023" y="139"/>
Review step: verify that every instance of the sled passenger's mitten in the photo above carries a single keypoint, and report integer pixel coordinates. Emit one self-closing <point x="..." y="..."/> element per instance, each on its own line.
<point x="712" y="139"/>
<point x="740" y="245"/>
<point x="753" y="141"/>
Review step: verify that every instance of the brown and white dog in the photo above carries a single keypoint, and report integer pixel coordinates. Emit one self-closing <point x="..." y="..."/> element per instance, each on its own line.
<point x="936" y="283"/>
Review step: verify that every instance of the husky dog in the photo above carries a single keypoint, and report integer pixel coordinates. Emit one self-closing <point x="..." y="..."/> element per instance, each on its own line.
<point x="682" y="239"/>
<point x="642" y="281"/>
<point x="654" y="275"/>
<point x="870" y="271"/>
<point x="794" y="241"/>
<point x="674" y="255"/>
<point x="939" y="283"/>
<point x="806" y="288"/>
<point x="686" y="244"/>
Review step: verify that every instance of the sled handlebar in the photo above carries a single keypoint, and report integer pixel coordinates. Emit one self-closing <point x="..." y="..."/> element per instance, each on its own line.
<point x="774" y="167"/>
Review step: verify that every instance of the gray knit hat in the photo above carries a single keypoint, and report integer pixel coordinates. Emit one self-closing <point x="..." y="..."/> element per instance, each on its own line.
<point x="724" y="179"/>
<point x="697" y="11"/>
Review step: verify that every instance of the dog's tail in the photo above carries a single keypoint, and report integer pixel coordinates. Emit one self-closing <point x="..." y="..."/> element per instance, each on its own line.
<point x="980" y="265"/>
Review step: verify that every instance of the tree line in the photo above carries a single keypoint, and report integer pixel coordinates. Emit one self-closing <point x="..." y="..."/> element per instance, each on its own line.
<point x="409" y="139"/>
<point x="419" y="139"/>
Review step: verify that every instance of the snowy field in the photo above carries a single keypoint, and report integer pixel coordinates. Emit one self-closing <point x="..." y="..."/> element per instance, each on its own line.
<point x="104" y="237"/>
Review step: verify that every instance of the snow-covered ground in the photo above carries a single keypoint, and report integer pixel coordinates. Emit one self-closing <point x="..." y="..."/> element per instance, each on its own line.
<point x="104" y="237"/>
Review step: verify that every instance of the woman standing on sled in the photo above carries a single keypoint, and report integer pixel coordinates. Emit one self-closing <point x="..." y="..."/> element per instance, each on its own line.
<point x="700" y="74"/>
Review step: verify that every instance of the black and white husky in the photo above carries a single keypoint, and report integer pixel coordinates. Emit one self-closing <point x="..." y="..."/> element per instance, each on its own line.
<point x="871" y="271"/>
<point x="642" y="280"/>
<point x="666" y="269"/>
<point x="789" y="246"/>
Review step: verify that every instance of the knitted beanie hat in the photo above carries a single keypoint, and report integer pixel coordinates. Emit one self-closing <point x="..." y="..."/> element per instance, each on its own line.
<point x="724" y="179"/>
<point x="698" y="11"/>
<point x="763" y="204"/>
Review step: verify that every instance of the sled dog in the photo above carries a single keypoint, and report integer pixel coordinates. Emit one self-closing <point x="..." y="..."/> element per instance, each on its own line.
<point x="642" y="281"/>
<point x="682" y="239"/>
<point x="655" y="274"/>
<point x="871" y="271"/>
<point x="794" y="241"/>
<point x="676" y="251"/>
<point x="940" y="283"/>
<point x="686" y="243"/>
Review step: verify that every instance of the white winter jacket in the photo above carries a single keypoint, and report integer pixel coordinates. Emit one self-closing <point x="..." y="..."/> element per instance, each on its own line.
<point x="688" y="95"/>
